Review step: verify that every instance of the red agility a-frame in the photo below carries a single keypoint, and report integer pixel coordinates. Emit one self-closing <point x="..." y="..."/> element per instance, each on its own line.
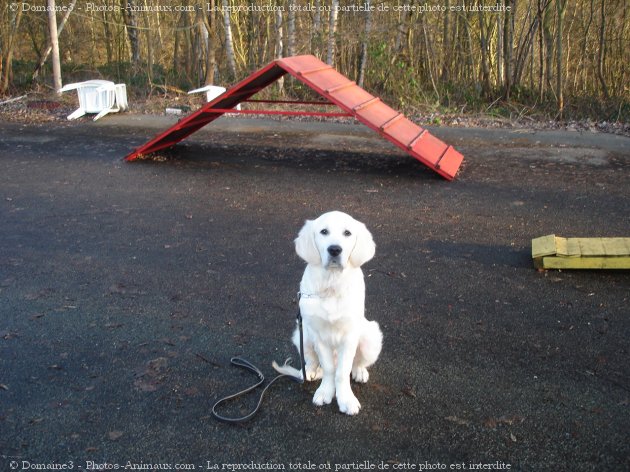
<point x="337" y="90"/>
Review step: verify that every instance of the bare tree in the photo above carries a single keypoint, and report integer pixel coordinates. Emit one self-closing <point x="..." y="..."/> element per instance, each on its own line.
<point x="601" y="56"/>
<point x="229" y="43"/>
<point x="48" y="50"/>
<point x="202" y="44"/>
<point x="315" y="37"/>
<point x="291" y="29"/>
<point x="561" y="6"/>
<point x="279" y="47"/>
<point x="446" y="44"/>
<point x="364" y="44"/>
<point x="211" y="61"/>
<point x="9" y="48"/>
<point x="54" y="41"/>
<point x="508" y="45"/>
<point x="131" y="23"/>
<point x="541" y="50"/>
<point x="549" y="45"/>
<point x="485" y="64"/>
<point x="253" y="36"/>
<point x="526" y="47"/>
<point x="332" y="31"/>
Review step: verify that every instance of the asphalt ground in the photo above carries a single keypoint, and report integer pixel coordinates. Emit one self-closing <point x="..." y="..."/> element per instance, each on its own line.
<point x="125" y="288"/>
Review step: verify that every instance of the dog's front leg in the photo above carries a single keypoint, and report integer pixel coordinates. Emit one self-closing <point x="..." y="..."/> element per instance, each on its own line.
<point x="347" y="401"/>
<point x="326" y="391"/>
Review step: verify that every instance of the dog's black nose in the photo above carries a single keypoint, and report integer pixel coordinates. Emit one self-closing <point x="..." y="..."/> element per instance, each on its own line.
<point x="334" y="250"/>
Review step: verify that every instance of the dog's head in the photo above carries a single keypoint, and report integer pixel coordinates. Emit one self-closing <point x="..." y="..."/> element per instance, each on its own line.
<point x="335" y="240"/>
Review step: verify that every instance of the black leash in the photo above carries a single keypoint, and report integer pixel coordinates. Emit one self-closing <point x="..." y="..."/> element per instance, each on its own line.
<point x="240" y="362"/>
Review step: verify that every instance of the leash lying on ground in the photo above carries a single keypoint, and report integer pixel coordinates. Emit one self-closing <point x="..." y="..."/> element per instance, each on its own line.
<point x="245" y="364"/>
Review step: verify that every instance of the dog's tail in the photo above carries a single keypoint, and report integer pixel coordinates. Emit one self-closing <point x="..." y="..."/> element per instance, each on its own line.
<point x="286" y="369"/>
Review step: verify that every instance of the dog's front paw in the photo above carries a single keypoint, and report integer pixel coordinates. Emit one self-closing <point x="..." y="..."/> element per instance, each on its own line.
<point x="348" y="404"/>
<point x="360" y="374"/>
<point x="324" y="394"/>
<point x="314" y="373"/>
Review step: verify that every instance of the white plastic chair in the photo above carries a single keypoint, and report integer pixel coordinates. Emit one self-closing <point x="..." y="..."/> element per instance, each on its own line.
<point x="98" y="96"/>
<point x="212" y="92"/>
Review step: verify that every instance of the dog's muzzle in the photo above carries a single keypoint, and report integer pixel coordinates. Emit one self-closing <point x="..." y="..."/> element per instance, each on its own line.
<point x="334" y="250"/>
<point x="334" y="261"/>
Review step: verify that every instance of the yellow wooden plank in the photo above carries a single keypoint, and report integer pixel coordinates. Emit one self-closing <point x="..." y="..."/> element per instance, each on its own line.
<point x="544" y="246"/>
<point x="553" y="252"/>
<point x="616" y="246"/>
<point x="551" y="262"/>
<point x="574" y="248"/>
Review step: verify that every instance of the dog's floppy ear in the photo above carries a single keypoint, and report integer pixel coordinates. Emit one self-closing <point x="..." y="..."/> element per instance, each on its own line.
<point x="364" y="248"/>
<point x="305" y="245"/>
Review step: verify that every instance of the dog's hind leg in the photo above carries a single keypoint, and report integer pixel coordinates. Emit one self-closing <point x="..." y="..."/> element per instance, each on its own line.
<point x="370" y="344"/>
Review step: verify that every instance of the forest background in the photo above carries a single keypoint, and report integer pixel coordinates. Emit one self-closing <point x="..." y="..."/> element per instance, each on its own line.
<point x="546" y="59"/>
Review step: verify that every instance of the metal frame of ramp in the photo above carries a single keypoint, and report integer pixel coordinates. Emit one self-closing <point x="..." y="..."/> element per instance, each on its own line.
<point x="337" y="90"/>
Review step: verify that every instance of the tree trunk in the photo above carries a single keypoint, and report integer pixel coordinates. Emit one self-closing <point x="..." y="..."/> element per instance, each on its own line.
<point x="149" y="42"/>
<point x="402" y="32"/>
<point x="48" y="50"/>
<point x="541" y="52"/>
<point x="364" y="44"/>
<point x="561" y="6"/>
<point x="332" y="31"/>
<point x="291" y="29"/>
<point x="131" y="22"/>
<point x="429" y="54"/>
<point x="549" y="40"/>
<point x="211" y="61"/>
<point x="253" y="36"/>
<point x="187" y="47"/>
<point x="229" y="44"/>
<point x="499" y="51"/>
<point x="54" y="41"/>
<point x="601" y="57"/>
<point x="109" y="40"/>
<point x="279" y="45"/>
<point x="485" y="65"/>
<point x="8" y="58"/>
<point x="176" y="40"/>
<point x="316" y="33"/>
<point x="446" y="44"/>
<point x="524" y="54"/>
<point x="508" y="45"/>
<point x="202" y="40"/>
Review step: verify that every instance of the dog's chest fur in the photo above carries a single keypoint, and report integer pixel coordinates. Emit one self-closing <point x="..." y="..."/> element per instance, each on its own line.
<point x="329" y="303"/>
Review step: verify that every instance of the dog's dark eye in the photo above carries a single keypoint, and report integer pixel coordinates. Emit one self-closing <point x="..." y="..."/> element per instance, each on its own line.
<point x="324" y="232"/>
<point x="347" y="233"/>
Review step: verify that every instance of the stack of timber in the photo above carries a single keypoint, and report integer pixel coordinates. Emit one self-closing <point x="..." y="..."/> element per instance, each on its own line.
<point x="554" y="252"/>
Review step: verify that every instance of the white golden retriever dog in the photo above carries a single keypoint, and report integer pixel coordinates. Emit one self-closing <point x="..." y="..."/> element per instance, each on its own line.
<point x="338" y="340"/>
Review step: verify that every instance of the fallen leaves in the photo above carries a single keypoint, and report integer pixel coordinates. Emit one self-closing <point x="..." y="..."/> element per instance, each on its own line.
<point x="115" y="435"/>
<point x="489" y="422"/>
<point x="151" y="375"/>
<point x="408" y="391"/>
<point x="7" y="335"/>
<point x="41" y="294"/>
<point x="456" y="420"/>
<point x="493" y="423"/>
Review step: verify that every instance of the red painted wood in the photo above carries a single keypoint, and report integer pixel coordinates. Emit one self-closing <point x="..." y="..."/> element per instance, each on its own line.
<point x="336" y="89"/>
